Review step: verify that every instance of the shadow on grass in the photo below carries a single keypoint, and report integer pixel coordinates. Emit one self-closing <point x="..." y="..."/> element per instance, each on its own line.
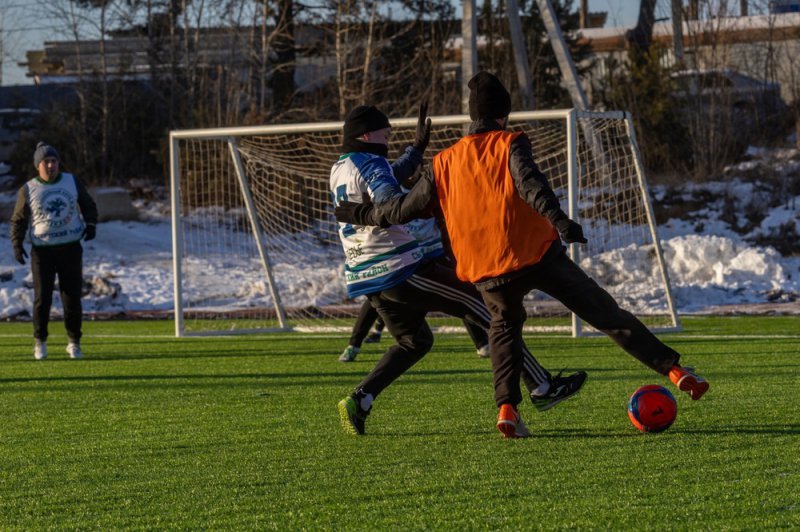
<point x="776" y="429"/>
<point x="573" y="433"/>
<point x="223" y="379"/>
<point x="536" y="435"/>
<point x="57" y="354"/>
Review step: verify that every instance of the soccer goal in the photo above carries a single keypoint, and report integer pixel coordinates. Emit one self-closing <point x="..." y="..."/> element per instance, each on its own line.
<point x="256" y="247"/>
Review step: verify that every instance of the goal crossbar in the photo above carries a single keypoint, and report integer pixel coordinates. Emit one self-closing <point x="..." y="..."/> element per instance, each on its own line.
<point x="255" y="247"/>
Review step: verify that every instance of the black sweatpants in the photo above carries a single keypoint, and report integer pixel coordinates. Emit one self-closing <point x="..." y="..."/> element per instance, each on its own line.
<point x="403" y="308"/>
<point x="559" y="277"/>
<point x="367" y="315"/>
<point x="67" y="263"/>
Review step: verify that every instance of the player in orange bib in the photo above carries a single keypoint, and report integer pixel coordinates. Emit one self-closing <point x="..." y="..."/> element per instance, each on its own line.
<point x="507" y="232"/>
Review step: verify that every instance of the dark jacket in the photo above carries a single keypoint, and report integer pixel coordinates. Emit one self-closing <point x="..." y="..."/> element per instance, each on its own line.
<point x="531" y="184"/>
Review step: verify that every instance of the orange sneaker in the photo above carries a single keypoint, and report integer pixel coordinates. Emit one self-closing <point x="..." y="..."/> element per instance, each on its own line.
<point x="510" y="423"/>
<point x="688" y="381"/>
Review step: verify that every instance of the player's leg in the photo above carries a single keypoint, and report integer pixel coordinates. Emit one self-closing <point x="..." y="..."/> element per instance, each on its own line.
<point x="505" y="302"/>
<point x="414" y="339"/>
<point x="505" y="340"/>
<point x="479" y="337"/>
<point x="44" y="279"/>
<point x="377" y="330"/>
<point x="440" y="290"/>
<point x="366" y="316"/>
<point x="564" y="280"/>
<point x="70" y="283"/>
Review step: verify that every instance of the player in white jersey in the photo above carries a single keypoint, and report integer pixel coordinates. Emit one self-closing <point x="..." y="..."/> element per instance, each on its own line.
<point x="387" y="265"/>
<point x="429" y="238"/>
<point x="56" y="211"/>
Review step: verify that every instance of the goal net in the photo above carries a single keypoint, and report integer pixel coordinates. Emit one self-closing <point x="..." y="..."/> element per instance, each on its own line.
<point x="256" y="246"/>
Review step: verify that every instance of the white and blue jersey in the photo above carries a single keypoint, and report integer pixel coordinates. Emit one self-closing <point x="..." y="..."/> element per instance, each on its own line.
<point x="428" y="236"/>
<point x="376" y="258"/>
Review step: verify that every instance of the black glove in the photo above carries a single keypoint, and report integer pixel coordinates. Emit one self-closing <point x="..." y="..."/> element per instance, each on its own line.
<point x="19" y="253"/>
<point x="90" y="232"/>
<point x="569" y="231"/>
<point x="355" y="213"/>
<point x="423" y="129"/>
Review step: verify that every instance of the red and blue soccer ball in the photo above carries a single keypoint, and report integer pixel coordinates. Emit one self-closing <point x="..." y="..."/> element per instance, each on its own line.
<point x="652" y="408"/>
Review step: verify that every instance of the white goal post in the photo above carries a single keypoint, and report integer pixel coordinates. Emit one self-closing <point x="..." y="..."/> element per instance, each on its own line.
<point x="255" y="243"/>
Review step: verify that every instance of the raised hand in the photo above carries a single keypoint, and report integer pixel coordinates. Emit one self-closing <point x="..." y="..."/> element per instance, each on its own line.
<point x="423" y="129"/>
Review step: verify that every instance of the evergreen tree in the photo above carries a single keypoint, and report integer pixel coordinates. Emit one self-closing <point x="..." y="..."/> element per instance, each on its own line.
<point x="548" y="89"/>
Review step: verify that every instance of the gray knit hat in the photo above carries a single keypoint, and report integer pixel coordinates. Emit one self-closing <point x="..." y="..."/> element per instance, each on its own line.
<point x="43" y="150"/>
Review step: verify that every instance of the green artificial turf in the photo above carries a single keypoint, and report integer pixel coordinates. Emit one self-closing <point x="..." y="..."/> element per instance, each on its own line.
<point x="153" y="432"/>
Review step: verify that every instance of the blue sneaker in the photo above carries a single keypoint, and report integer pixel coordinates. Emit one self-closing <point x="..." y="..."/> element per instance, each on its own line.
<point x="349" y="354"/>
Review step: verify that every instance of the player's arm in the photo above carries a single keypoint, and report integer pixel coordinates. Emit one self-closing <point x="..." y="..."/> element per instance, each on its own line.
<point x="420" y="202"/>
<point x="405" y="165"/>
<point x="88" y="210"/>
<point x="532" y="185"/>
<point x="20" y="218"/>
<point x="534" y="188"/>
<point x="86" y="203"/>
<point x="397" y="209"/>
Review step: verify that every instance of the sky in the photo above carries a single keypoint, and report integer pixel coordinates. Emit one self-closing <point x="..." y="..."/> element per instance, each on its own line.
<point x="24" y="27"/>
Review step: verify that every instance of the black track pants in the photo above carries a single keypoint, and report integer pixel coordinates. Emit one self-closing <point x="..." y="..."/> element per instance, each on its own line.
<point x="403" y="308"/>
<point x="67" y="263"/>
<point x="366" y="317"/>
<point x="564" y="280"/>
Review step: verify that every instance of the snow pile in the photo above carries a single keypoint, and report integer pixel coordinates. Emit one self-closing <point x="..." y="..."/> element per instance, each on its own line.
<point x="716" y="270"/>
<point x="129" y="268"/>
<point x="714" y="255"/>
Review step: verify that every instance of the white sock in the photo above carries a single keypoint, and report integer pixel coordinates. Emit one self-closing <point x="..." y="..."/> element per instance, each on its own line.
<point x="542" y="389"/>
<point x="366" y="402"/>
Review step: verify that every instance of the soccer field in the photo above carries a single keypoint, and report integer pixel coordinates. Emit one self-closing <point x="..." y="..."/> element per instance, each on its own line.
<point x="153" y="432"/>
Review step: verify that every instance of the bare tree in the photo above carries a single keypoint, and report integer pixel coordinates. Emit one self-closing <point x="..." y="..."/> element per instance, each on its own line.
<point x="388" y="61"/>
<point x="640" y="37"/>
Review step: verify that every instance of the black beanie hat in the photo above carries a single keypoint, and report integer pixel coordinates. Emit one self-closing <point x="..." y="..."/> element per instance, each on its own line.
<point x="43" y="150"/>
<point x="487" y="97"/>
<point x="363" y="119"/>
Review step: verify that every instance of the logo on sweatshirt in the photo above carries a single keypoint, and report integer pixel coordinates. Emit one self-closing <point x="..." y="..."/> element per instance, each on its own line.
<point x="58" y="207"/>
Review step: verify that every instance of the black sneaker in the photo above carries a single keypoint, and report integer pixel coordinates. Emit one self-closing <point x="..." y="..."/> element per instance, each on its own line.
<point x="560" y="388"/>
<point x="352" y="415"/>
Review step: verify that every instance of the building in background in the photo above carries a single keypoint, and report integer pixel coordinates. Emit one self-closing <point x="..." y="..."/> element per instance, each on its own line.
<point x="764" y="47"/>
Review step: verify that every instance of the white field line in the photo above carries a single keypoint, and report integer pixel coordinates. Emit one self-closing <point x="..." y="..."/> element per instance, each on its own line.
<point x="59" y="337"/>
<point x="457" y="331"/>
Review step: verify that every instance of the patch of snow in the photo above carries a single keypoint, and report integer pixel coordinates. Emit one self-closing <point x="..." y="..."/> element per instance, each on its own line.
<point x="128" y="267"/>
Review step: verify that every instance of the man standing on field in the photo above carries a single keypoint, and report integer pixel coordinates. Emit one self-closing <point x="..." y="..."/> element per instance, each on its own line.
<point x="506" y="230"/>
<point x="57" y="212"/>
